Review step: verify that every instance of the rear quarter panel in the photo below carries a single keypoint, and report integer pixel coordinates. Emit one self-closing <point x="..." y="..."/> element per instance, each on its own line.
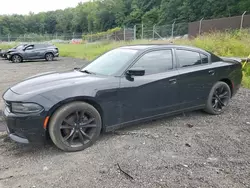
<point x="229" y="70"/>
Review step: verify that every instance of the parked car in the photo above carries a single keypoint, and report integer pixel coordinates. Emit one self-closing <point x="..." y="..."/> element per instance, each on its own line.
<point x="34" y="51"/>
<point x="123" y="86"/>
<point x="4" y="53"/>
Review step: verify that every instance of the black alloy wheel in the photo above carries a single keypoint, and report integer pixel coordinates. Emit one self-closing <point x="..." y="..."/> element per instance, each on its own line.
<point x="75" y="126"/>
<point x="218" y="98"/>
<point x="78" y="128"/>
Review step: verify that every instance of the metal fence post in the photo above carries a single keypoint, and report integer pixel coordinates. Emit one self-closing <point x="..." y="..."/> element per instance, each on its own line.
<point x="154" y="32"/>
<point x="142" y="31"/>
<point x="242" y="20"/>
<point x="134" y="32"/>
<point x="124" y="33"/>
<point x="173" y="25"/>
<point x="200" y="26"/>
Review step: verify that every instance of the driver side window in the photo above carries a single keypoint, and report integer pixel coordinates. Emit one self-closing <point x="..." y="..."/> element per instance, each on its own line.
<point x="30" y="47"/>
<point x="155" y="62"/>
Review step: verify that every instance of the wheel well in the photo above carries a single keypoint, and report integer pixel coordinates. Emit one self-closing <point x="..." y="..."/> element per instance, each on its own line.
<point x="48" y="53"/>
<point x="80" y="99"/>
<point x="229" y="83"/>
<point x="17" y="55"/>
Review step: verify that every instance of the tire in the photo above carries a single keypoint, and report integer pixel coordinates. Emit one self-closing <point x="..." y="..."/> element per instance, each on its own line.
<point x="218" y="99"/>
<point x="16" y="59"/>
<point x="49" y="57"/>
<point x="71" y="132"/>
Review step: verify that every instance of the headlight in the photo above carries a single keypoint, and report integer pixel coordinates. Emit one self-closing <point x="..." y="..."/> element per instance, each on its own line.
<point x="25" y="108"/>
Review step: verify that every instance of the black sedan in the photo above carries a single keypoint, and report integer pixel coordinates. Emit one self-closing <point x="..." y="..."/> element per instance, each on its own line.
<point x="123" y="86"/>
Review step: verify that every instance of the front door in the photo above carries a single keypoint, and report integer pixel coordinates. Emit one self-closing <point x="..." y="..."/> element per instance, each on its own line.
<point x="154" y="93"/>
<point x="30" y="52"/>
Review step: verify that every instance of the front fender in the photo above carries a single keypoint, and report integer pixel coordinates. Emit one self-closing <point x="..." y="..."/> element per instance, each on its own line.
<point x="16" y="53"/>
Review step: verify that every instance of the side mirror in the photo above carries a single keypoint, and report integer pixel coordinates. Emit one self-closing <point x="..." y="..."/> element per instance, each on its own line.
<point x="76" y="68"/>
<point x="136" y="72"/>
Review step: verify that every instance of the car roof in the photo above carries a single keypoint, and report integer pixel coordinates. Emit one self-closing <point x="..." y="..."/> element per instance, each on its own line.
<point x="143" y="47"/>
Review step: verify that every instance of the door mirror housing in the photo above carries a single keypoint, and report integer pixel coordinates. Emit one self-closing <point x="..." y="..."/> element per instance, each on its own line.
<point x="136" y="72"/>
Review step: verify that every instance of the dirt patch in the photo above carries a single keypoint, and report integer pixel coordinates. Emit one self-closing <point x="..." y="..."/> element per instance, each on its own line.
<point x="189" y="150"/>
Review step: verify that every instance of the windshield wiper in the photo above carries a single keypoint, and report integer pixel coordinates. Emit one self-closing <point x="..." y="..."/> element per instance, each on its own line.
<point x="86" y="71"/>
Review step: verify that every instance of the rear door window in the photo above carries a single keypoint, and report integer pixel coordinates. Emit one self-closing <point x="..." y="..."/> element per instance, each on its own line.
<point x="188" y="58"/>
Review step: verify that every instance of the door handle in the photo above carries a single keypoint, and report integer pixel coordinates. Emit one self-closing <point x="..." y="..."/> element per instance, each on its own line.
<point x="173" y="81"/>
<point x="211" y="72"/>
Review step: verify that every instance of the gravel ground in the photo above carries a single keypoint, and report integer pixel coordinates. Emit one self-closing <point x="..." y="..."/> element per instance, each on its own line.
<point x="189" y="150"/>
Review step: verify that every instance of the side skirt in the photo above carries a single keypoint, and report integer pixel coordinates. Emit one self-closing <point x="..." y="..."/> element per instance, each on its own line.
<point x="118" y="126"/>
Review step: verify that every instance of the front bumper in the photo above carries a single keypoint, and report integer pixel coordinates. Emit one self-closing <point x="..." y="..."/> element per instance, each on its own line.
<point x="24" y="128"/>
<point x="4" y="55"/>
<point x="56" y="55"/>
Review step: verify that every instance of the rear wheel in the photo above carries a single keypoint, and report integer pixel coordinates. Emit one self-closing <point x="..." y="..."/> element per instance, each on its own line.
<point x="49" y="57"/>
<point x="75" y="126"/>
<point x="218" y="99"/>
<point x="16" y="59"/>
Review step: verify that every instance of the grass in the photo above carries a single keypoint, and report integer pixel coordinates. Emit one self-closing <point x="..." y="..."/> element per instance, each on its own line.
<point x="227" y="44"/>
<point x="91" y="51"/>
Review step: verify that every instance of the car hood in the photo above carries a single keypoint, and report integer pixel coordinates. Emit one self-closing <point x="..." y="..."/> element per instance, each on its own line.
<point x="52" y="80"/>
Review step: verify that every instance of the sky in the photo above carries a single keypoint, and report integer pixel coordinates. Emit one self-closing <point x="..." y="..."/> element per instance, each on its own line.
<point x="26" y="6"/>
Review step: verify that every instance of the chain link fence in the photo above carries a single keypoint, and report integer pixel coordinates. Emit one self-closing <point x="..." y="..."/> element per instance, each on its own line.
<point x="125" y="33"/>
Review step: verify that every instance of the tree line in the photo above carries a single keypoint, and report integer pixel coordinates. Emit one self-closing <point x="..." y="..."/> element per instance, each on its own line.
<point x="101" y="15"/>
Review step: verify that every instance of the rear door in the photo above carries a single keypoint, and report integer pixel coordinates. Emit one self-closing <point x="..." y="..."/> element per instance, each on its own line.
<point x="196" y="77"/>
<point x="39" y="51"/>
<point x="154" y="93"/>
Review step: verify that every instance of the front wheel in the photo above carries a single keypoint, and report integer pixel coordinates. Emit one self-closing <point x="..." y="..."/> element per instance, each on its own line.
<point x="49" y="57"/>
<point x="75" y="126"/>
<point x="218" y="99"/>
<point x="16" y="59"/>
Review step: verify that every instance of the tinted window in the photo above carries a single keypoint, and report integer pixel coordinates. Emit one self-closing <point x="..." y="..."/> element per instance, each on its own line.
<point x="155" y="62"/>
<point x="188" y="58"/>
<point x="29" y="47"/>
<point x="39" y="45"/>
<point x="215" y="58"/>
<point x="204" y="59"/>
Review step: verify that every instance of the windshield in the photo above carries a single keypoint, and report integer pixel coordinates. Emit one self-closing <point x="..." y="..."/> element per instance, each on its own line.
<point x="111" y="62"/>
<point x="19" y="46"/>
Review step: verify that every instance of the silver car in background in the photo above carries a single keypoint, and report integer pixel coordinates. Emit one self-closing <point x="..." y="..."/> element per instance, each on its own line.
<point x="34" y="51"/>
